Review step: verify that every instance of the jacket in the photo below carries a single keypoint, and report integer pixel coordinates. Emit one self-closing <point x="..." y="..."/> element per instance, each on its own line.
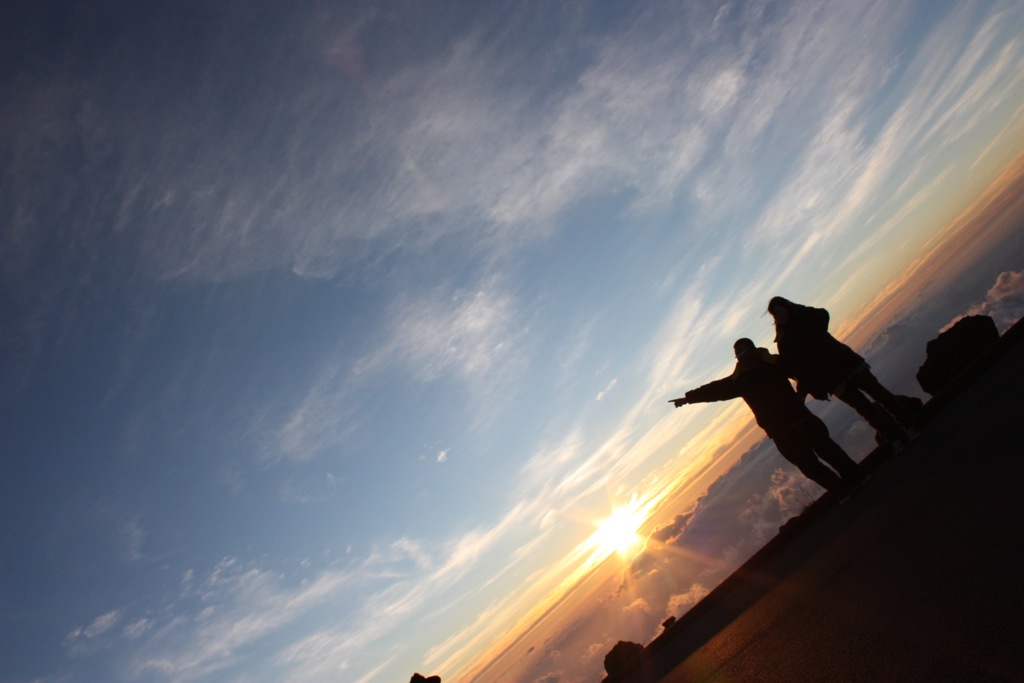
<point x="814" y="358"/>
<point x="765" y="389"/>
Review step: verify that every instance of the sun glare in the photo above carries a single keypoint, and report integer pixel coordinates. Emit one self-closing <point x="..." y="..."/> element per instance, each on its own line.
<point x="618" y="533"/>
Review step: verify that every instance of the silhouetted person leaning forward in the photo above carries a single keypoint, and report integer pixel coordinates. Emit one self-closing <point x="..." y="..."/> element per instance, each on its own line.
<point x="823" y="365"/>
<point x="801" y="437"/>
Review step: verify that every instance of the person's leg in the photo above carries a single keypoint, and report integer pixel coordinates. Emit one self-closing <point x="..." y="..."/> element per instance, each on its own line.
<point x="832" y="453"/>
<point x="866" y="381"/>
<point x="875" y="416"/>
<point x="795" y="448"/>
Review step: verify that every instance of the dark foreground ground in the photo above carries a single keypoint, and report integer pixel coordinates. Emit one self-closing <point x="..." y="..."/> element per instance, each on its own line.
<point x="917" y="577"/>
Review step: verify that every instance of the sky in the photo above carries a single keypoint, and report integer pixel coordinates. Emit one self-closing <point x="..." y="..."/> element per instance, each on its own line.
<point x="333" y="332"/>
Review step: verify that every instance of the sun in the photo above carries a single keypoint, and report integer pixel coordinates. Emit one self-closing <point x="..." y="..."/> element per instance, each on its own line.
<point x="618" y="532"/>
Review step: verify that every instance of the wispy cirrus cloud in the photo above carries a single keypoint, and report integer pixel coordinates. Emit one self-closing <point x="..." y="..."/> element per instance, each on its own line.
<point x="384" y="611"/>
<point x="221" y="616"/>
<point x="236" y="607"/>
<point x="137" y="628"/>
<point x="322" y="419"/>
<point x="466" y="334"/>
<point x="688" y="99"/>
<point x="550" y="464"/>
<point x="218" y="619"/>
<point x="133" y="536"/>
<point x="470" y="336"/>
<point x="85" y="640"/>
<point x="851" y="168"/>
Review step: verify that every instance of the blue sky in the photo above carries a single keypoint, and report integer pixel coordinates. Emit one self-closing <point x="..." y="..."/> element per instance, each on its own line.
<point x="331" y="331"/>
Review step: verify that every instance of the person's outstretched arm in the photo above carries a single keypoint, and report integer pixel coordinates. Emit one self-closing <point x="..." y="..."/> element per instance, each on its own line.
<point x="720" y="390"/>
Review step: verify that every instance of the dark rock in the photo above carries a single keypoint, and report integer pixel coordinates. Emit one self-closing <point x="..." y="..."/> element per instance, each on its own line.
<point x="622" y="658"/>
<point x="420" y="678"/>
<point x="955" y="349"/>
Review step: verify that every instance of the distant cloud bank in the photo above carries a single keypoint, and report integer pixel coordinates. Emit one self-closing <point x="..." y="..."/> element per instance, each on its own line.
<point x="1004" y="302"/>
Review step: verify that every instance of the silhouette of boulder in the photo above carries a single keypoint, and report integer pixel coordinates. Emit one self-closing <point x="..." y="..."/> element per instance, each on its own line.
<point x="622" y="658"/>
<point x="420" y="678"/>
<point x="953" y="350"/>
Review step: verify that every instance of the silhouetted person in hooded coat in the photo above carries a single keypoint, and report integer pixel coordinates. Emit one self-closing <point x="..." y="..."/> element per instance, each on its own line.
<point x="801" y="437"/>
<point x="823" y="365"/>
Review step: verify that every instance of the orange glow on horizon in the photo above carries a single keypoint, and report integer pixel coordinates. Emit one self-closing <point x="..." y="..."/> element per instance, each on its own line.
<point x="708" y="455"/>
<point x="948" y="254"/>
